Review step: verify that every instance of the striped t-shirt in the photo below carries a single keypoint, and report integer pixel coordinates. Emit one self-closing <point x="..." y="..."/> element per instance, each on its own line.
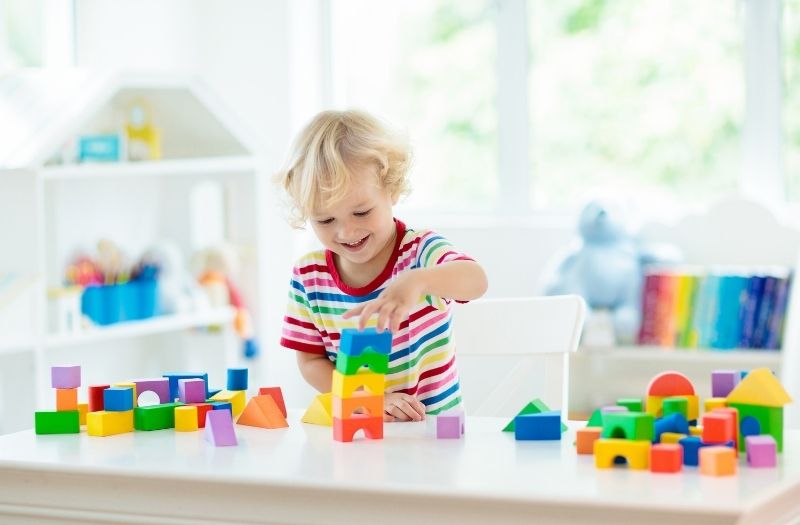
<point x="422" y="361"/>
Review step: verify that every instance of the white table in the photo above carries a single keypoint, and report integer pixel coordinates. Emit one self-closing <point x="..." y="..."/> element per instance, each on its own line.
<point x="300" y="475"/>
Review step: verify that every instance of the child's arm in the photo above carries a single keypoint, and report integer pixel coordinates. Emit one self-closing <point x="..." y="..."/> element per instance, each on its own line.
<point x="459" y="280"/>
<point x="317" y="370"/>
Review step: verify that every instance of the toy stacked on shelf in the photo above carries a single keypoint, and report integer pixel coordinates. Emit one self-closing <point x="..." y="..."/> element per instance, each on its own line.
<point x="355" y="389"/>
<point x="689" y="308"/>
<point x="742" y="415"/>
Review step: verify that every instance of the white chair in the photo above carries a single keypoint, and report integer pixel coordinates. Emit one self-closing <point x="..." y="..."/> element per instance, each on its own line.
<point x="521" y="350"/>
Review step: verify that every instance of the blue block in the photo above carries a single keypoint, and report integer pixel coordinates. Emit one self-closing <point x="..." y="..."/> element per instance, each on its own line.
<point x="174" y="391"/>
<point x="354" y="342"/>
<point x="118" y="399"/>
<point x="212" y="393"/>
<point x="237" y="379"/>
<point x="221" y="405"/>
<point x="675" y="422"/>
<point x="542" y="426"/>
<point x="691" y="449"/>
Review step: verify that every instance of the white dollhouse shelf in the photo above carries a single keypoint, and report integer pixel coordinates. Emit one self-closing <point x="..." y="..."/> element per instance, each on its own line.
<point x="163" y="168"/>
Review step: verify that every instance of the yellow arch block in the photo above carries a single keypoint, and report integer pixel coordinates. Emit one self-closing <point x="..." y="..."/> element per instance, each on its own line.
<point x="344" y="386"/>
<point x="637" y="453"/>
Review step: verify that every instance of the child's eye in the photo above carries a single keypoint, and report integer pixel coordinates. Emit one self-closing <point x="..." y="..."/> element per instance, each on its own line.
<point x="362" y="213"/>
<point x="325" y="221"/>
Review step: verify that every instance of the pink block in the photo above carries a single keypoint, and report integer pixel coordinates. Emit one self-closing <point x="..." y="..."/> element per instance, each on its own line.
<point x="160" y="386"/>
<point x="761" y="451"/>
<point x="219" y="428"/>
<point x="192" y="390"/>
<point x="65" y="376"/>
<point x="450" y="424"/>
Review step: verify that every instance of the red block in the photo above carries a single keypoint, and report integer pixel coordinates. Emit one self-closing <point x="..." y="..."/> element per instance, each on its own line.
<point x="735" y="413"/>
<point x="96" y="403"/>
<point x="666" y="457"/>
<point x="202" y="409"/>
<point x="277" y="396"/>
<point x="718" y="427"/>
<point x="344" y="429"/>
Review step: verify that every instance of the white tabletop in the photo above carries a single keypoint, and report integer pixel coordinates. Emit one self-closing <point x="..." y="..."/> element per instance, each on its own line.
<point x="300" y="475"/>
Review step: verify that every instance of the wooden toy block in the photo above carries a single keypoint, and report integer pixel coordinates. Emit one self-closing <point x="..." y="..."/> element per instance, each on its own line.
<point x="628" y="425"/>
<point x="344" y="386"/>
<point x="117" y="399"/>
<point x="191" y="390"/>
<point x="237" y="400"/>
<point x="450" y="424"/>
<point x="655" y="406"/>
<point x="635" y="452"/>
<point x="723" y="382"/>
<point x="154" y="417"/>
<point x="66" y="399"/>
<point x="105" y="423"/>
<point x="219" y="429"/>
<point x="277" y="395"/>
<point x="185" y="418"/>
<point x="670" y="384"/>
<point x="96" y="397"/>
<point x="671" y="405"/>
<point x="320" y="411"/>
<point x="713" y="402"/>
<point x="595" y="420"/>
<point x="633" y="404"/>
<point x="174" y="377"/>
<point x="58" y="422"/>
<point x="345" y="429"/>
<point x="374" y="361"/>
<point x="585" y="438"/>
<point x="696" y="431"/>
<point x="755" y="420"/>
<point x="692" y="408"/>
<point x="717" y="461"/>
<point x="202" y="410"/>
<point x="691" y="449"/>
<point x="718" y="427"/>
<point x="671" y="437"/>
<point x="761" y="388"/>
<point x="344" y="408"/>
<point x="237" y="379"/>
<point x="675" y="423"/>
<point x="132" y="386"/>
<point x="158" y="385"/>
<point x="353" y="342"/>
<point x="83" y="409"/>
<point x="68" y="376"/>
<point x="537" y="406"/>
<point x="666" y="458"/>
<point x="538" y="427"/>
<point x="761" y="451"/>
<point x="263" y="411"/>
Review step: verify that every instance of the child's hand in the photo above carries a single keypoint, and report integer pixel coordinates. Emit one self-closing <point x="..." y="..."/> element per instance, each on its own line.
<point x="402" y="407"/>
<point x="393" y="304"/>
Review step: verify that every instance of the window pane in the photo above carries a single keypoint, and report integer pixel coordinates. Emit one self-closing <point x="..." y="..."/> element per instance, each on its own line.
<point x="635" y="98"/>
<point x="427" y="68"/>
<point x="791" y="97"/>
<point x="22" y="29"/>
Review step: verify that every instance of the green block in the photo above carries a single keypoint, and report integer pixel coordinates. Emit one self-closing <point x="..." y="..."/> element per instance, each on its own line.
<point x="628" y="425"/>
<point x="596" y="419"/>
<point x="631" y="403"/>
<point x="350" y="364"/>
<point x="537" y="406"/>
<point x="155" y="417"/>
<point x="671" y="405"/>
<point x="770" y="421"/>
<point x="61" y="422"/>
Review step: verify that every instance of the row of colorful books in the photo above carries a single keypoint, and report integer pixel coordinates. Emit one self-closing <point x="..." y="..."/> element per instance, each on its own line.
<point x="720" y="309"/>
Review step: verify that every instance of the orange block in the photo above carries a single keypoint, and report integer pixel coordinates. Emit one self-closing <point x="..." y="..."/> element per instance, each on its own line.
<point x="585" y="438"/>
<point x="66" y="399"/>
<point x="343" y="408"/>
<point x="277" y="395"/>
<point x="718" y="427"/>
<point x="83" y="409"/>
<point x="717" y="461"/>
<point x="345" y="429"/>
<point x="262" y="411"/>
<point x="666" y="457"/>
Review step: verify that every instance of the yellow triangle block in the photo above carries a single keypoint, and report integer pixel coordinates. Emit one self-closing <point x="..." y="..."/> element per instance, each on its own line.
<point x="262" y="411"/>
<point x="759" y="387"/>
<point x="319" y="412"/>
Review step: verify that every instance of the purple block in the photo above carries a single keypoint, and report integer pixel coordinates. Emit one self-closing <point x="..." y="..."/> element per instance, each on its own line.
<point x="761" y="451"/>
<point x="158" y="385"/>
<point x="723" y="381"/>
<point x="65" y="376"/>
<point x="450" y="424"/>
<point x="219" y="428"/>
<point x="192" y="390"/>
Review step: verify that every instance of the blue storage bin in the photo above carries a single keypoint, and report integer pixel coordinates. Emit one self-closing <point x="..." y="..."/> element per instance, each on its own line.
<point x="130" y="301"/>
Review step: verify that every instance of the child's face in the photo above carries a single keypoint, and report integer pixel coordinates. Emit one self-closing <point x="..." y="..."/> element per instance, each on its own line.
<point x="359" y="227"/>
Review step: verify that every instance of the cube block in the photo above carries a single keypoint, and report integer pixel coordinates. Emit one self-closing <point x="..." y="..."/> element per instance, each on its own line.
<point x="174" y="377"/>
<point x="585" y="438"/>
<point x="118" y="399"/>
<point x="66" y="399"/>
<point x="717" y="461"/>
<point x="450" y="424"/>
<point x="761" y="451"/>
<point x="191" y="390"/>
<point x="185" y="418"/>
<point x="666" y="458"/>
<point x="723" y="382"/>
<point x="65" y="376"/>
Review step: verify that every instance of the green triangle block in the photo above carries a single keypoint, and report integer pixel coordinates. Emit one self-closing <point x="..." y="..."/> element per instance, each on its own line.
<point x="537" y="406"/>
<point x="596" y="420"/>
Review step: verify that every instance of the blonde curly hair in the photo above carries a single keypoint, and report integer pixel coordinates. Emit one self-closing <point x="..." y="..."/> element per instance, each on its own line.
<point x="319" y="169"/>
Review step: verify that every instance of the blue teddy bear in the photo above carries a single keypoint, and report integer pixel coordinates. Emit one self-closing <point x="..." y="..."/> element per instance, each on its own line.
<point x="607" y="269"/>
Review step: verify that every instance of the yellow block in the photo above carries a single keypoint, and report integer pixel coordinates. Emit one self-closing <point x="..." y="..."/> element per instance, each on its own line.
<point x="236" y="398"/>
<point x="83" y="409"/>
<point x="344" y="386"/>
<point x="108" y="423"/>
<point x="129" y="385"/>
<point x="185" y="419"/>
<point x="696" y="431"/>
<point x="636" y="452"/>
<point x="655" y="406"/>
<point x="713" y="402"/>
<point x="319" y="412"/>
<point x="671" y="437"/>
<point x="759" y="387"/>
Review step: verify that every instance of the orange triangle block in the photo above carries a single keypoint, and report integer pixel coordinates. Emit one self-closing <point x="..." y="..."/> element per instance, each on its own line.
<point x="319" y="412"/>
<point x="262" y="411"/>
<point x="759" y="387"/>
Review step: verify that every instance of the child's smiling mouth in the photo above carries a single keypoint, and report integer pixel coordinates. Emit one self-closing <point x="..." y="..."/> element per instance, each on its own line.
<point x="355" y="246"/>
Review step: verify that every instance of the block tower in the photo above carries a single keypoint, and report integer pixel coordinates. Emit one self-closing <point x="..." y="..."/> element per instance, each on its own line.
<point x="354" y="388"/>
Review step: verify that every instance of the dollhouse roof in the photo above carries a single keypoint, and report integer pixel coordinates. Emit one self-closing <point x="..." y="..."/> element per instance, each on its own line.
<point x="42" y="112"/>
<point x="760" y="387"/>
